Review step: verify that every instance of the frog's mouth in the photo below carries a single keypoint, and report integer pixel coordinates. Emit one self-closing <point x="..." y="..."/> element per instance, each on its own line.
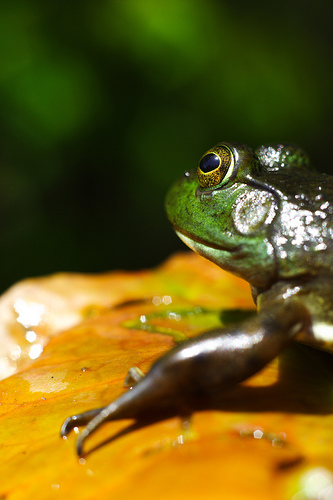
<point x="209" y="251"/>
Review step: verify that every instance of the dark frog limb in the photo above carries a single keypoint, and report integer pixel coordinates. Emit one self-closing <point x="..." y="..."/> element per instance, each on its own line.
<point x="201" y="368"/>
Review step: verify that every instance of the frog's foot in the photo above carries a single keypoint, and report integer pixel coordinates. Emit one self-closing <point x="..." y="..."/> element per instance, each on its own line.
<point x="201" y="368"/>
<point x="133" y="376"/>
<point x="132" y="404"/>
<point x="78" y="420"/>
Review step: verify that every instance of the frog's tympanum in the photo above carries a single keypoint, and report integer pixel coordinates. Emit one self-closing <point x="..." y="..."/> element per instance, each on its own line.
<point x="265" y="216"/>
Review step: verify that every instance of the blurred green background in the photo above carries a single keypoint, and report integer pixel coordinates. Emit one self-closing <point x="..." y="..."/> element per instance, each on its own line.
<point x="103" y="104"/>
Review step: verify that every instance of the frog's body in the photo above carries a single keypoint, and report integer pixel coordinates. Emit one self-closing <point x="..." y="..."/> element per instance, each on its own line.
<point x="275" y="218"/>
<point x="268" y="218"/>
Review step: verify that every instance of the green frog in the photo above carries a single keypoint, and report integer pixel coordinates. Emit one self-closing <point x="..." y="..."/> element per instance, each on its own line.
<point x="266" y="216"/>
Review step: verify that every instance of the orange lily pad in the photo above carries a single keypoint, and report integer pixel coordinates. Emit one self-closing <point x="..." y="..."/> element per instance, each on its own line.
<point x="270" y="437"/>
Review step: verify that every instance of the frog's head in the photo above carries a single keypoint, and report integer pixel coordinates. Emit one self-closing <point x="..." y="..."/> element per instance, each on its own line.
<point x="225" y="210"/>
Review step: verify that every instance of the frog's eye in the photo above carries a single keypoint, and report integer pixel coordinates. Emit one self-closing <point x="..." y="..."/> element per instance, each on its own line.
<point x="215" y="167"/>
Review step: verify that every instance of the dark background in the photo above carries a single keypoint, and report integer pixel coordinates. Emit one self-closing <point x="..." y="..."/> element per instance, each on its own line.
<point x="103" y="104"/>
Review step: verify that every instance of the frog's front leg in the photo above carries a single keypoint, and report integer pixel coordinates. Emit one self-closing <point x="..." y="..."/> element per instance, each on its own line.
<point x="202" y="367"/>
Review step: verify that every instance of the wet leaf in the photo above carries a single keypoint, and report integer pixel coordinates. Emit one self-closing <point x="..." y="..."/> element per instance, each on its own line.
<point x="270" y="437"/>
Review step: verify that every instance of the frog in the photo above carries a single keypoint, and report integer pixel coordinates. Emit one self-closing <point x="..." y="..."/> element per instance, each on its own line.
<point x="265" y="215"/>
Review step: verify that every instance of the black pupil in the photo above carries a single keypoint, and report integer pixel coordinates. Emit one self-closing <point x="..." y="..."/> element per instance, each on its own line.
<point x="209" y="163"/>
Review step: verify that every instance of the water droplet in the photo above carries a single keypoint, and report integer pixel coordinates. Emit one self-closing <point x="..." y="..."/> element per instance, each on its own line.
<point x="15" y="352"/>
<point x="157" y="300"/>
<point x="29" y="313"/>
<point x="31" y="336"/>
<point x="35" y="351"/>
<point x="258" y="434"/>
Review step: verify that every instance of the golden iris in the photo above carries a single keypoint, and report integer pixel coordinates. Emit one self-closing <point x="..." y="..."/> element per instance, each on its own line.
<point x="215" y="167"/>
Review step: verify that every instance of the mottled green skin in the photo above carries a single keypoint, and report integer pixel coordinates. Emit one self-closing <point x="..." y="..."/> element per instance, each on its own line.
<point x="270" y="224"/>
